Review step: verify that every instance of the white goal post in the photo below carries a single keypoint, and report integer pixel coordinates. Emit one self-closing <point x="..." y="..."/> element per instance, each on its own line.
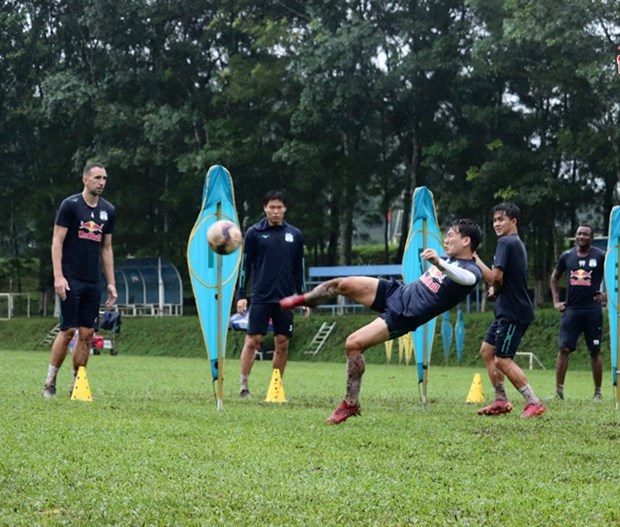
<point x="12" y="304"/>
<point x="531" y="357"/>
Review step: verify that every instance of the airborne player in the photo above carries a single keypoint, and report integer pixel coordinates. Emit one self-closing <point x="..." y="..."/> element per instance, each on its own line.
<point x="402" y="308"/>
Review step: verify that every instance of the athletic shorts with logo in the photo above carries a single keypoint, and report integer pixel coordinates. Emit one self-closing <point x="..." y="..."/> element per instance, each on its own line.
<point x="261" y="314"/>
<point x="506" y="336"/>
<point x="574" y="322"/>
<point x="81" y="307"/>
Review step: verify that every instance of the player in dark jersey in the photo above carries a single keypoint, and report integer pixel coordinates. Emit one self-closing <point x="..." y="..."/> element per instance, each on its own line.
<point x="273" y="253"/>
<point x="582" y="311"/>
<point x="81" y="242"/>
<point x="513" y="314"/>
<point x="402" y="307"/>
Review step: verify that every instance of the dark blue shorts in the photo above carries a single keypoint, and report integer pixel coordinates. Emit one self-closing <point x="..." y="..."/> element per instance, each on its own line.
<point x="388" y="303"/>
<point x="260" y="314"/>
<point x="574" y="322"/>
<point x="81" y="307"/>
<point x="505" y="336"/>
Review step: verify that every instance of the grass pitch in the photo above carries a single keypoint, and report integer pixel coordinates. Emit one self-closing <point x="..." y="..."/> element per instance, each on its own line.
<point x="151" y="449"/>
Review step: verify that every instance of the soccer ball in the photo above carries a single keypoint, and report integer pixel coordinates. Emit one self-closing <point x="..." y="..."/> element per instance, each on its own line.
<point x="224" y="237"/>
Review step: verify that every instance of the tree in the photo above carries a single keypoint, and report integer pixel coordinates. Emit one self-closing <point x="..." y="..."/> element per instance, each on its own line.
<point x="549" y="96"/>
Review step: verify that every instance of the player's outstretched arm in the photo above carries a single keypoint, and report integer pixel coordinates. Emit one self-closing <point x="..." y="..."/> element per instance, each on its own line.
<point x="456" y="273"/>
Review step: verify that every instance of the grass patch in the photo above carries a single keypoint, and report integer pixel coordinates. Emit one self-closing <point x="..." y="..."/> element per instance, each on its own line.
<point x="151" y="449"/>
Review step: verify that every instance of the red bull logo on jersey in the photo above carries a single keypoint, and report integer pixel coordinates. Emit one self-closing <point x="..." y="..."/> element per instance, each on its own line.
<point x="580" y="277"/>
<point x="432" y="278"/>
<point x="89" y="230"/>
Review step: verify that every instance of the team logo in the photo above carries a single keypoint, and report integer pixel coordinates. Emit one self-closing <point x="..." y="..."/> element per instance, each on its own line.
<point x="103" y="215"/>
<point x="89" y="230"/>
<point x="580" y="277"/>
<point x="432" y="278"/>
<point x="592" y="262"/>
<point x="288" y="237"/>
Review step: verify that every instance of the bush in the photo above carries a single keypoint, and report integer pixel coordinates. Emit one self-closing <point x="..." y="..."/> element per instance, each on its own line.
<point x="182" y="337"/>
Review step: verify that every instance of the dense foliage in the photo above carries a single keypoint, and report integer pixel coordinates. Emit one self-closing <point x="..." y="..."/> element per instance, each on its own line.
<point x="347" y="105"/>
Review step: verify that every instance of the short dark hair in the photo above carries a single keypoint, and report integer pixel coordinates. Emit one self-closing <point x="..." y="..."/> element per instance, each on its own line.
<point x="274" y="195"/>
<point x="469" y="228"/>
<point x="509" y="209"/>
<point x="90" y="166"/>
<point x="587" y="226"/>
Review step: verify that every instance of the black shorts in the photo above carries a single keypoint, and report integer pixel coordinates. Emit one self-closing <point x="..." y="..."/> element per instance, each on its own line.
<point x="388" y="303"/>
<point x="81" y="307"/>
<point x="574" y="322"/>
<point x="260" y="314"/>
<point x="505" y="336"/>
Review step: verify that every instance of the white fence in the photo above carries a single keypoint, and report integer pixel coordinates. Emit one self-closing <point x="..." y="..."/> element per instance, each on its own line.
<point x="14" y="304"/>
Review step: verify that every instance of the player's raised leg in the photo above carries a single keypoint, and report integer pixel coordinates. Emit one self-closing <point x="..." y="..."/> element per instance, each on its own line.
<point x="361" y="289"/>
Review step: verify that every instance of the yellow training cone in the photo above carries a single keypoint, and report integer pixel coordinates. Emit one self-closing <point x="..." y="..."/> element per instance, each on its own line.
<point x="408" y="348"/>
<point x="81" y="389"/>
<point x="475" y="392"/>
<point x="388" y="350"/>
<point x="405" y="348"/>
<point x="275" y="394"/>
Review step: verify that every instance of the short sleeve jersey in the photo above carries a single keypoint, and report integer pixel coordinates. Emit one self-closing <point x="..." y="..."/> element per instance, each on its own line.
<point x="273" y="259"/>
<point x="86" y="228"/>
<point x="584" y="275"/>
<point x="433" y="293"/>
<point x="513" y="302"/>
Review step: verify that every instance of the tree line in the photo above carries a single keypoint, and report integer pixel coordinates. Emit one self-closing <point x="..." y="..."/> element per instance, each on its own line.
<point x="346" y="105"/>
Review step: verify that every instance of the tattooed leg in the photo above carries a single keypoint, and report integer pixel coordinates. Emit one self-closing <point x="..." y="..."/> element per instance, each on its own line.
<point x="355" y="369"/>
<point x="322" y="292"/>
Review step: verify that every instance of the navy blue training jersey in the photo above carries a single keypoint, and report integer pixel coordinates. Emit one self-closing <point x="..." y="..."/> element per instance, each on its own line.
<point x="86" y="228"/>
<point x="513" y="302"/>
<point x="273" y="259"/>
<point x="584" y="275"/>
<point x="433" y="293"/>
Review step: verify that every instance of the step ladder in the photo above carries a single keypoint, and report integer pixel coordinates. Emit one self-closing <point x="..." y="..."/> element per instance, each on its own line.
<point x="320" y="338"/>
<point x="49" y="338"/>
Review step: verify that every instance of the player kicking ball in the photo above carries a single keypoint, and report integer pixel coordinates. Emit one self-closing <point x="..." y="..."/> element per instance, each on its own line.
<point x="402" y="307"/>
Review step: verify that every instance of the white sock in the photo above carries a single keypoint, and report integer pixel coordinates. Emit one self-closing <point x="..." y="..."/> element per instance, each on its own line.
<point x="52" y="371"/>
<point x="529" y="395"/>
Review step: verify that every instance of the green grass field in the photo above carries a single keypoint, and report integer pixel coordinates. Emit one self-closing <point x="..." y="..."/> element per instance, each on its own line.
<point x="151" y="449"/>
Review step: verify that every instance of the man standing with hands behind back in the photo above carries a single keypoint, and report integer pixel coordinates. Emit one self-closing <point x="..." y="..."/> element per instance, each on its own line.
<point x="81" y="242"/>
<point x="582" y="311"/>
